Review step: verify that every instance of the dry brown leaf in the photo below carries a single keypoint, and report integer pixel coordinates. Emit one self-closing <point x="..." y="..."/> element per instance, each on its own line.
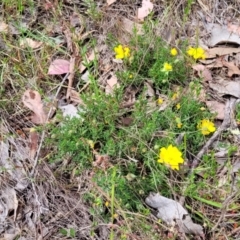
<point x="203" y="72"/>
<point x="3" y="27"/>
<point x="221" y="34"/>
<point x="109" y="2"/>
<point x="32" y="100"/>
<point x="216" y="64"/>
<point x="172" y="212"/>
<point x="75" y="97"/>
<point x="59" y="66"/>
<point x="145" y="10"/>
<point x="33" y="137"/>
<point x="207" y="61"/>
<point x="216" y="107"/>
<point x="220" y="51"/>
<point x="224" y="87"/>
<point x="111" y="84"/>
<point x="232" y="69"/>
<point x="129" y="26"/>
<point x="28" y="42"/>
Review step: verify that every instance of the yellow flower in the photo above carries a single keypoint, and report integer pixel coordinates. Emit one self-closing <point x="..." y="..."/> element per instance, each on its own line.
<point x="167" y="67"/>
<point x="126" y="52"/>
<point x="122" y="52"/>
<point x="202" y="108"/>
<point x="160" y="101"/>
<point x="170" y="156"/>
<point x="178" y="106"/>
<point x="175" y="96"/>
<point x="206" y="127"/>
<point x="179" y="123"/>
<point x="174" y="52"/>
<point x="130" y="76"/>
<point x="196" y="53"/>
<point x="106" y="203"/>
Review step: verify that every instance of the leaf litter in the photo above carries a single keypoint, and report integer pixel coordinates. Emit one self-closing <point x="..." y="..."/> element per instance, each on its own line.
<point x="70" y="110"/>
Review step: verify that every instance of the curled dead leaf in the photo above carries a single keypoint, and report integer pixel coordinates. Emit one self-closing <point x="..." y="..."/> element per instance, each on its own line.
<point x="221" y="34"/>
<point x="224" y="87"/>
<point x="171" y="211"/>
<point x="203" y="72"/>
<point x="220" y="51"/>
<point x="28" y="42"/>
<point x="32" y="100"/>
<point x="216" y="107"/>
<point x="58" y="67"/>
<point x="232" y="68"/>
<point x="129" y="26"/>
<point x="145" y="10"/>
<point x="111" y="84"/>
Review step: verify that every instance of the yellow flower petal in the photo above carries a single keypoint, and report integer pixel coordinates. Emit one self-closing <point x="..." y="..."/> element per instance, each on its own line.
<point x="171" y="157"/>
<point x="160" y="101"/>
<point x="174" y="52"/>
<point x="167" y="67"/>
<point x="206" y="127"/>
<point x="175" y="96"/>
<point x="126" y="52"/>
<point x="196" y="53"/>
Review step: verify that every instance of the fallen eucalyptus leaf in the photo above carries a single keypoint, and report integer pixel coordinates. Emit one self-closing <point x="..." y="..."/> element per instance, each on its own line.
<point x="216" y="107"/>
<point x="220" y="51"/>
<point x="58" y="67"/>
<point x="203" y="72"/>
<point x="145" y="10"/>
<point x="32" y="100"/>
<point x="171" y="211"/>
<point x="226" y="87"/>
<point x="221" y="34"/>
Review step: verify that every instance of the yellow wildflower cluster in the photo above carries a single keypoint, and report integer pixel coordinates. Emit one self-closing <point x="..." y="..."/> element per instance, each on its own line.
<point x="196" y="53"/>
<point x="122" y="52"/>
<point x="206" y="127"/>
<point x="170" y="156"/>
